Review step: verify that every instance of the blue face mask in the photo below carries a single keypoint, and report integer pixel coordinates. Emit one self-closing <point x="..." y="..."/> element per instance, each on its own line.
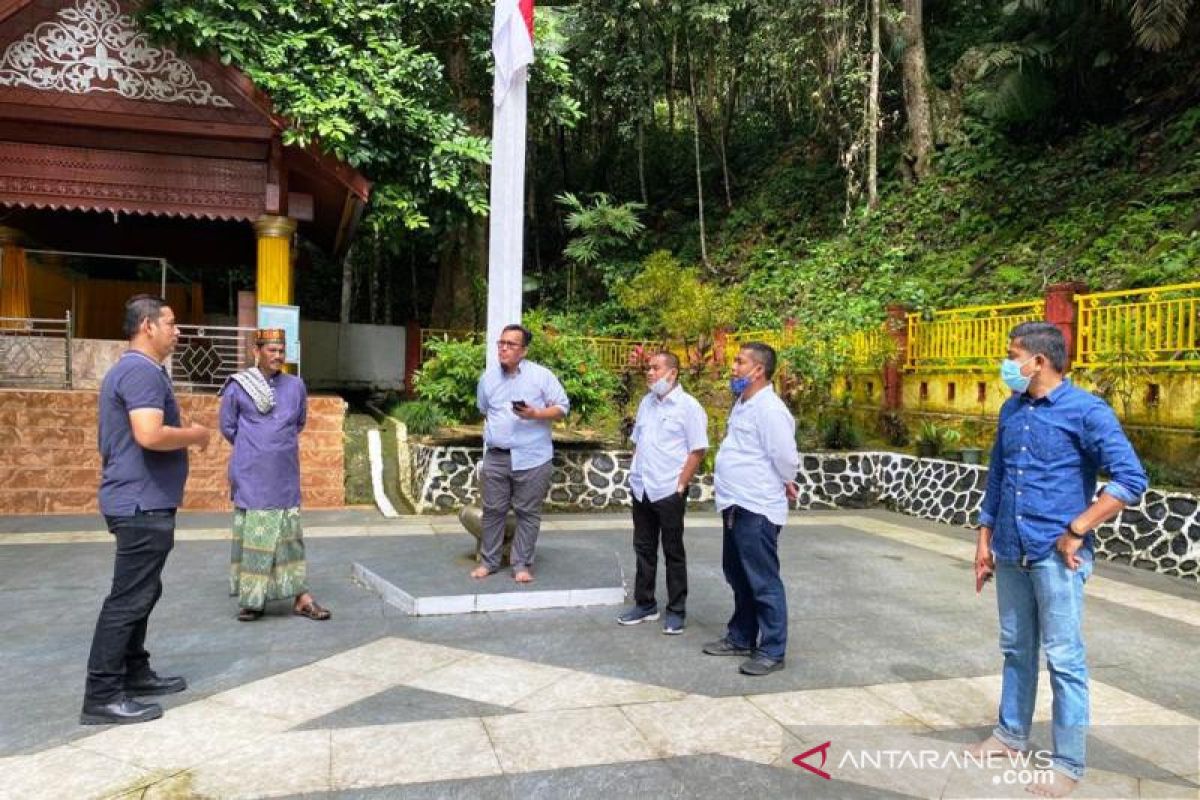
<point x="1010" y="373"/>
<point x="738" y="385"/>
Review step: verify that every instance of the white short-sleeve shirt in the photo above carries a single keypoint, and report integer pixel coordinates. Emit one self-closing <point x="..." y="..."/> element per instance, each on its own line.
<point x="665" y="432"/>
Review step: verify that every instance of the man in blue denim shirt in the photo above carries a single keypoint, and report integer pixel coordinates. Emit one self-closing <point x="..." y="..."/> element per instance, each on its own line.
<point x="1036" y="537"/>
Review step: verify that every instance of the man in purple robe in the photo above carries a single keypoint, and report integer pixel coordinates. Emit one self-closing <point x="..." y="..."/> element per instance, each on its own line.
<point x="263" y="410"/>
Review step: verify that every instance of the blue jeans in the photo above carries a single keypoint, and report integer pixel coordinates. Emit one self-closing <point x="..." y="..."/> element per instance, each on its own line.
<point x="750" y="557"/>
<point x="1042" y="604"/>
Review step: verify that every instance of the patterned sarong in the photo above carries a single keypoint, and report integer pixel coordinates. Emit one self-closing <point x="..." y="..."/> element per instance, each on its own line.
<point x="267" y="561"/>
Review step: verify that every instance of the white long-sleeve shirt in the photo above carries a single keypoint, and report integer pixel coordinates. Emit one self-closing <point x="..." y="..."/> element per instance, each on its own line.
<point x="528" y="439"/>
<point x="758" y="457"/>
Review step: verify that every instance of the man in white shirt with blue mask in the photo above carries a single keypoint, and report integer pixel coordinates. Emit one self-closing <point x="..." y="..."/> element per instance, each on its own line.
<point x="519" y="401"/>
<point x="670" y="436"/>
<point x="754" y="481"/>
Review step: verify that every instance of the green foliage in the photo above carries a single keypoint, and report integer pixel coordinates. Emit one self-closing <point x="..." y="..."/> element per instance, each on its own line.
<point x="605" y="235"/>
<point x="420" y="417"/>
<point x="589" y="386"/>
<point x="678" y="302"/>
<point x="360" y="78"/>
<point x="840" y="433"/>
<point x="449" y="379"/>
<point x="939" y="440"/>
<point x="893" y="428"/>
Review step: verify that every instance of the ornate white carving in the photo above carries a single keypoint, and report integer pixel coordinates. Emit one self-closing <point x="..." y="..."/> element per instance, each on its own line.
<point x="93" y="47"/>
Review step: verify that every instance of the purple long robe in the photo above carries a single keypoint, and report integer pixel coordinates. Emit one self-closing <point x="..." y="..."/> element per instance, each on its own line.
<point x="264" y="471"/>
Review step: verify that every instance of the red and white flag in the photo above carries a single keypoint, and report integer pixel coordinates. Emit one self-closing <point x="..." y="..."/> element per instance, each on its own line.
<point x="512" y="45"/>
<point x="512" y="42"/>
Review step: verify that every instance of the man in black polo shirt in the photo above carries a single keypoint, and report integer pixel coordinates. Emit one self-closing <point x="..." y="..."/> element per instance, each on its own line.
<point x="143" y="449"/>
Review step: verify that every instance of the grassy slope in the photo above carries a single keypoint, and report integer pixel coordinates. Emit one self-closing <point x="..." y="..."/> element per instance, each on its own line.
<point x="1114" y="207"/>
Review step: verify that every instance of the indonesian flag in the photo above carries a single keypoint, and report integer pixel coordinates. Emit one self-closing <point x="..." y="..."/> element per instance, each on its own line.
<point x="512" y="45"/>
<point x="512" y="42"/>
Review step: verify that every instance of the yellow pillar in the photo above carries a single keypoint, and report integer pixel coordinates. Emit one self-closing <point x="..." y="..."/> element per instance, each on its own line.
<point x="14" y="277"/>
<point x="275" y="276"/>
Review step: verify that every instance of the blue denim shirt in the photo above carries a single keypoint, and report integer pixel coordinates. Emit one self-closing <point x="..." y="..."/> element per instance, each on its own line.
<point x="1043" y="470"/>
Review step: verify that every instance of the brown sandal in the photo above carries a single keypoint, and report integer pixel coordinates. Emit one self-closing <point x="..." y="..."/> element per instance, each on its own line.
<point x="312" y="610"/>
<point x="248" y="614"/>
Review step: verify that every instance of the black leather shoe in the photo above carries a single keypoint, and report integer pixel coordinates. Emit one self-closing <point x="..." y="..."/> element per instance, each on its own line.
<point x="760" y="665"/>
<point x="122" y="711"/>
<point x="151" y="684"/>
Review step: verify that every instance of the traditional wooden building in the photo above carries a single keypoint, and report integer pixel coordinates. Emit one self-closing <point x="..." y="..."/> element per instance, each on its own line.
<point x="111" y="144"/>
<point x="115" y="147"/>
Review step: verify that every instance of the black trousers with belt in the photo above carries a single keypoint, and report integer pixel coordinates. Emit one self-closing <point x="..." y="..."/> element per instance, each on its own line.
<point x="119" y="644"/>
<point x="652" y="521"/>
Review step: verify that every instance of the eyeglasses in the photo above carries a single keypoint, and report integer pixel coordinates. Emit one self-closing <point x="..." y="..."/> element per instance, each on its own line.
<point x="506" y="345"/>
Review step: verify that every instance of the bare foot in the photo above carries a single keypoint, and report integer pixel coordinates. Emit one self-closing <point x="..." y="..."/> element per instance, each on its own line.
<point x="522" y="576"/>
<point x="480" y="572"/>
<point x="1051" y="783"/>
<point x="990" y="746"/>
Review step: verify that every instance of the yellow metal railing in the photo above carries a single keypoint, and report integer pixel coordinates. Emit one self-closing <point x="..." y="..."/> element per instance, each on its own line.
<point x="1157" y="327"/>
<point x="619" y="355"/>
<point x="969" y="336"/>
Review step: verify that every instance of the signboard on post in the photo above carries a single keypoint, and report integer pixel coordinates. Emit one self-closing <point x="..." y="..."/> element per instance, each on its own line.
<point x="288" y="318"/>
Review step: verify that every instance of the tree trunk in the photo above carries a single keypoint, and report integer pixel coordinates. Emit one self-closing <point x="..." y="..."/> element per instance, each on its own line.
<point x="916" y="90"/>
<point x="730" y="108"/>
<point x="347" y="284"/>
<point x="671" y="63"/>
<point x="374" y="278"/>
<point x="641" y="161"/>
<point x="696" y="152"/>
<point x="873" y="113"/>
<point x="462" y="256"/>
<point x="387" y="293"/>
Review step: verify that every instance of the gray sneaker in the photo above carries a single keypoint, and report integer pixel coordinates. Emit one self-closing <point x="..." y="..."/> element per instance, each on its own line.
<point x="723" y="647"/>
<point x="673" y="625"/>
<point x="760" y="665"/>
<point x="638" y="614"/>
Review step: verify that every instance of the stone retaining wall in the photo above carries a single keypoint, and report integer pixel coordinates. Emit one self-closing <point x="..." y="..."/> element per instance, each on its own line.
<point x="1161" y="533"/>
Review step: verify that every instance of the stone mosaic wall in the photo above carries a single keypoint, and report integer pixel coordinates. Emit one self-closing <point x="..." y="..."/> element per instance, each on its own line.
<point x="50" y="462"/>
<point x="1161" y="533"/>
<point x="583" y="480"/>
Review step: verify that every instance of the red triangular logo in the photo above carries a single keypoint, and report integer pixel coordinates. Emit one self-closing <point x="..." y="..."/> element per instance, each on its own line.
<point x="823" y="749"/>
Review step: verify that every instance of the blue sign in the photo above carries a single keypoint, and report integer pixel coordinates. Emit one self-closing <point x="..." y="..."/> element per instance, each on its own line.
<point x="288" y="318"/>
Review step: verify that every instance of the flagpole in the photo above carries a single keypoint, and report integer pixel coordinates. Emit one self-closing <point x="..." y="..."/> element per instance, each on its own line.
<point x="506" y="225"/>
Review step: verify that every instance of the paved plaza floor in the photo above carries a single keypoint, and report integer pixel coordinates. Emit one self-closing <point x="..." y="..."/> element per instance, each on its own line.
<point x="892" y="666"/>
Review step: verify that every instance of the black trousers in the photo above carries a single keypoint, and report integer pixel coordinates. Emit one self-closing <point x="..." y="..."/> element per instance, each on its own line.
<point x="118" y="646"/>
<point x="652" y="521"/>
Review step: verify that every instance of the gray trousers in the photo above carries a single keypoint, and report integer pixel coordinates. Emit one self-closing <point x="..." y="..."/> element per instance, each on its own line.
<point x="524" y="490"/>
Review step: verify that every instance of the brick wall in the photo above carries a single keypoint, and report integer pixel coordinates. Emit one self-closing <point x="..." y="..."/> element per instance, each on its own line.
<point x="49" y="462"/>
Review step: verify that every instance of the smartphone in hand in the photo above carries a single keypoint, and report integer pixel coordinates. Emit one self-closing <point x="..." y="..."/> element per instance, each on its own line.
<point x="519" y="405"/>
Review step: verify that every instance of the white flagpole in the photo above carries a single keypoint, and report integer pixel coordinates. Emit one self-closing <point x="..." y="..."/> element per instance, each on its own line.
<point x="505" y="245"/>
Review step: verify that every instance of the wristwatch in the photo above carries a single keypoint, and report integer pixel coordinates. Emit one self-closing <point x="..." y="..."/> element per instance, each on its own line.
<point x="1071" y="530"/>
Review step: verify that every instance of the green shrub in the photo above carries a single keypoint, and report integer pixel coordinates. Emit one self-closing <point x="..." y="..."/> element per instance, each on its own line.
<point x="893" y="428"/>
<point x="421" y="417"/>
<point x="576" y="364"/>
<point x="448" y="380"/>
<point x="840" y="433"/>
